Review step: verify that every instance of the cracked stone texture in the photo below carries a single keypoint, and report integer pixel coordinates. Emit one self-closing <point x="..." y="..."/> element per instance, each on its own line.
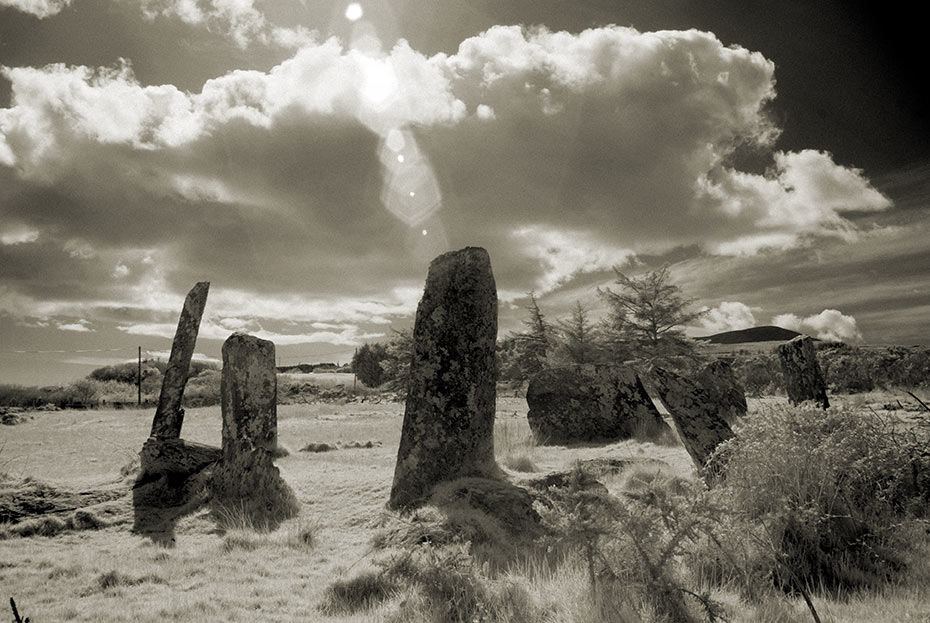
<point x="249" y="392"/>
<point x="448" y="429"/>
<point x="591" y="402"/>
<point x="696" y="416"/>
<point x="803" y="378"/>
<point x="168" y="415"/>
<point x="719" y="380"/>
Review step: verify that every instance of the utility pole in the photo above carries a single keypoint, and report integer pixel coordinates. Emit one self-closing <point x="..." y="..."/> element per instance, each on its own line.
<point x="139" y="377"/>
<point x="354" y="373"/>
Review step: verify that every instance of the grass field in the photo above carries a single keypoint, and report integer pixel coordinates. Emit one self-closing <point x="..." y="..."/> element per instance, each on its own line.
<point x="109" y="574"/>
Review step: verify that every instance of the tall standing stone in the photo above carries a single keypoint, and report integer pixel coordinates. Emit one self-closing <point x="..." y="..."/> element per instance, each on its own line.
<point x="168" y="415"/>
<point x="696" y="416"/>
<point x="448" y="429"/>
<point x="720" y="382"/>
<point x="248" y="392"/>
<point x="803" y="378"/>
<point x="591" y="402"/>
<point x="245" y="483"/>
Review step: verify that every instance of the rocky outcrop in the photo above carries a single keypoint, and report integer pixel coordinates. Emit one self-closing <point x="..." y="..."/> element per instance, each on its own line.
<point x="449" y="416"/>
<point x="589" y="403"/>
<point x="803" y="379"/>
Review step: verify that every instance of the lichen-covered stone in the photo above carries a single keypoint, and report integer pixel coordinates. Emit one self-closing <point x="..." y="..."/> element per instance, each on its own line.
<point x="803" y="378"/>
<point x="249" y="392"/>
<point x="719" y="381"/>
<point x="247" y="488"/>
<point x="168" y="415"/>
<point x="449" y="416"/>
<point x="696" y="416"/>
<point x="591" y="402"/>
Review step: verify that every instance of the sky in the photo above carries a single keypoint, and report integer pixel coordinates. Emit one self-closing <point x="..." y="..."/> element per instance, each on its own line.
<point x="310" y="157"/>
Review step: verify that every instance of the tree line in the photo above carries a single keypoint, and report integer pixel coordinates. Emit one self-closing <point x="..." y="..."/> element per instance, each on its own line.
<point x="644" y="327"/>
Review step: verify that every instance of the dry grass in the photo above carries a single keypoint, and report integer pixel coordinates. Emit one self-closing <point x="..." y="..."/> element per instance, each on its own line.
<point x="108" y="574"/>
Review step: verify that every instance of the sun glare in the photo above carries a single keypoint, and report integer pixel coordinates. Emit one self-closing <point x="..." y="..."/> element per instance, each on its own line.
<point x="354" y="12"/>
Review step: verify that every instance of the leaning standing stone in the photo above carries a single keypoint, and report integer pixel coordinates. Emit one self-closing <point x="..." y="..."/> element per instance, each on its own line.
<point x="448" y="429"/>
<point x="719" y="381"/>
<point x="168" y="415"/>
<point x="249" y="391"/>
<point x="591" y="402"/>
<point x="696" y="416"/>
<point x="803" y="378"/>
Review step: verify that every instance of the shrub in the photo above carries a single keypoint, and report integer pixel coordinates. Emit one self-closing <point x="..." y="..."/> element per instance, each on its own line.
<point x="630" y="547"/>
<point x="203" y="390"/>
<point x="829" y="489"/>
<point x="453" y="588"/>
<point x="759" y="373"/>
<point x="358" y="593"/>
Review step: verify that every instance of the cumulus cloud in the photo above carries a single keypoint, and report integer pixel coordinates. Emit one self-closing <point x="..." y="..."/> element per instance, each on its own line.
<point x="564" y="254"/>
<point x="727" y="316"/>
<point x="561" y="153"/>
<point x="804" y="194"/>
<point x="241" y="20"/>
<point x="39" y="8"/>
<point x="830" y="324"/>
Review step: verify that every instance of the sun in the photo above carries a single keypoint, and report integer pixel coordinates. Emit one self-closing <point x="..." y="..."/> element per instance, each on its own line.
<point x="354" y="12"/>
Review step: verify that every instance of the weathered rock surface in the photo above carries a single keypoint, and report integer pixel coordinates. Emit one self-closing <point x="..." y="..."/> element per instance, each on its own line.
<point x="162" y="456"/>
<point x="246" y="487"/>
<point x="719" y="381"/>
<point x="591" y="402"/>
<point x="168" y="415"/>
<point x="803" y="378"/>
<point x="696" y="416"/>
<point x="449" y="416"/>
<point x="248" y="391"/>
<point x="172" y="482"/>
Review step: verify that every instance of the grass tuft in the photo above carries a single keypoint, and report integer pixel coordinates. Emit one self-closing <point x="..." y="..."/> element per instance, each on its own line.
<point x="361" y="592"/>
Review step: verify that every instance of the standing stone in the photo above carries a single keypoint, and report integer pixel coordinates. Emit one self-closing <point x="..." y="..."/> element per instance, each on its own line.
<point x="248" y="391"/>
<point x="591" y="402"/>
<point x="168" y="415"/>
<point x="719" y="381"/>
<point x="246" y="487"/>
<point x="803" y="378"/>
<point x="696" y="416"/>
<point x="448" y="429"/>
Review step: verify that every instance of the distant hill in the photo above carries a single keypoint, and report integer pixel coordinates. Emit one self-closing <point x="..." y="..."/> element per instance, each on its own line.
<point x="767" y="333"/>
